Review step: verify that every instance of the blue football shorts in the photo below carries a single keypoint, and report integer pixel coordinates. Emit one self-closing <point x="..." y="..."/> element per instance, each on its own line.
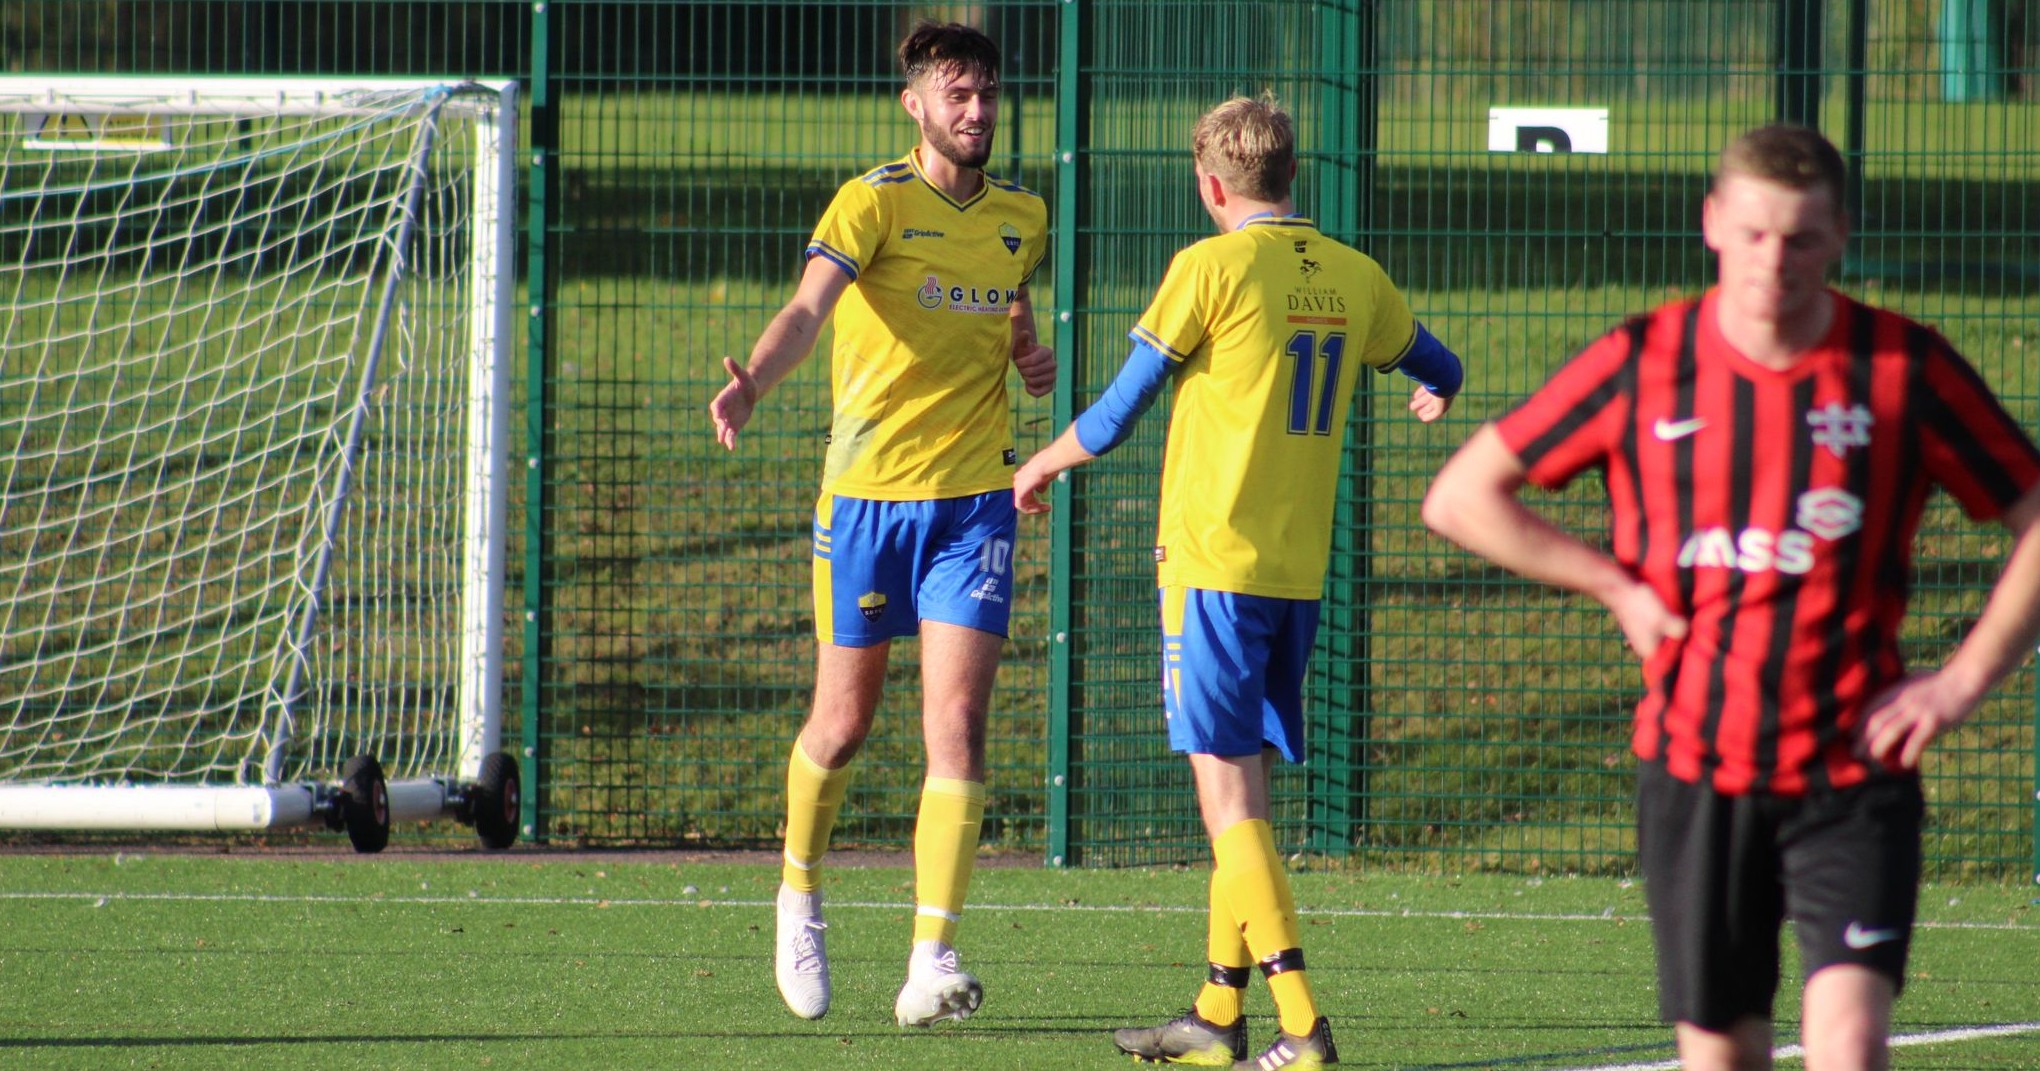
<point x="1232" y="671"/>
<point x="882" y="568"/>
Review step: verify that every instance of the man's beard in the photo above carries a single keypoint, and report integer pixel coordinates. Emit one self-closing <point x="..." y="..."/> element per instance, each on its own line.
<point x="943" y="142"/>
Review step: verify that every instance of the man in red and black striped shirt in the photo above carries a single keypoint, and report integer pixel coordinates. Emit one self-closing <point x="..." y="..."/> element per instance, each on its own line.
<point x="1768" y="451"/>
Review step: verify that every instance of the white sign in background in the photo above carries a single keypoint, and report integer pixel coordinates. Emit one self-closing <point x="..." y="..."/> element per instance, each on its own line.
<point x="1547" y="130"/>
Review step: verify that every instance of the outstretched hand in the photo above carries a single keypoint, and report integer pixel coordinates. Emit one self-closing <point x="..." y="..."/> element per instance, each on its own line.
<point x="732" y="406"/>
<point x="1030" y="481"/>
<point x="1908" y="716"/>
<point x="1036" y="363"/>
<point x="1428" y="406"/>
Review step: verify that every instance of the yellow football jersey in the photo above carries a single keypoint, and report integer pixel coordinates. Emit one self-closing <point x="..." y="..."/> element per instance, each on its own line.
<point x="1271" y="325"/>
<point x="922" y="336"/>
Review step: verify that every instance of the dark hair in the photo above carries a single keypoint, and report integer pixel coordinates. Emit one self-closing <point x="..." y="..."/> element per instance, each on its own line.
<point x="1792" y="156"/>
<point x="935" y="47"/>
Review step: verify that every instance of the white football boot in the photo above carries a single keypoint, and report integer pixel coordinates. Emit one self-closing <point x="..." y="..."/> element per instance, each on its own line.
<point x="800" y="960"/>
<point x="936" y="988"/>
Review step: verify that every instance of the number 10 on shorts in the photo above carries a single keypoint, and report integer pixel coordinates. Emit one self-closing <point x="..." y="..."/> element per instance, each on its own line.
<point x="994" y="555"/>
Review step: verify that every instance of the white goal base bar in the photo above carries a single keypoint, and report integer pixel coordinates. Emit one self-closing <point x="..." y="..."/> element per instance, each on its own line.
<point x="196" y="808"/>
<point x="154" y="808"/>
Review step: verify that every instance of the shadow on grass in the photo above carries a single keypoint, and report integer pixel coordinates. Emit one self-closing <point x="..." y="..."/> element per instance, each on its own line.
<point x="1501" y="226"/>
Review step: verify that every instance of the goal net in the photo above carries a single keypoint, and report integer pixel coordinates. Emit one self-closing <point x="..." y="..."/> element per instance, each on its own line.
<point x="253" y="417"/>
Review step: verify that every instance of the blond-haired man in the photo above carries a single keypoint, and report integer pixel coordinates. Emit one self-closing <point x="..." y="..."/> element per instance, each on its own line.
<point x="1263" y="331"/>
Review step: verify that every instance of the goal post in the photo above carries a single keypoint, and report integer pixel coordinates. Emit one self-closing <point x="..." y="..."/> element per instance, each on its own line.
<point x="254" y="419"/>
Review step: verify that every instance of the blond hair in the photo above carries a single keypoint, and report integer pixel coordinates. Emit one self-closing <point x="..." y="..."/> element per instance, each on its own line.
<point x="1250" y="144"/>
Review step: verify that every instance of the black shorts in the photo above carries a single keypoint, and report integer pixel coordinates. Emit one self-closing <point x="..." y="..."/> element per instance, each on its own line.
<point x="1722" y="873"/>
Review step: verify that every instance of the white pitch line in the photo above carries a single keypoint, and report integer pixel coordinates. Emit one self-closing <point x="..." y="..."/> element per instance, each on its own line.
<point x="593" y="900"/>
<point x="723" y="901"/>
<point x="1793" y="1052"/>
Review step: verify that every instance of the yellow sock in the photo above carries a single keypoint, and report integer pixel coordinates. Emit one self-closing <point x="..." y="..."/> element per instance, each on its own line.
<point x="1220" y="1004"/>
<point x="945" y="850"/>
<point x="1250" y="877"/>
<point x="813" y="796"/>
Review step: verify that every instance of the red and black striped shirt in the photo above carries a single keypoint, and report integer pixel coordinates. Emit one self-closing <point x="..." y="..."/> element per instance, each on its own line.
<point x="1776" y="512"/>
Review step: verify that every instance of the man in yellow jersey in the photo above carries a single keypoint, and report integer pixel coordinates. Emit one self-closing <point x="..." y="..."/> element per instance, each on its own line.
<point x="925" y="263"/>
<point x="1264" y="329"/>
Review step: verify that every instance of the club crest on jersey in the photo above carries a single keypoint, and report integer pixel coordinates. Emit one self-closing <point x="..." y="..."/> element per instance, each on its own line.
<point x="1010" y="237"/>
<point x="872" y="605"/>
<point x="1840" y="427"/>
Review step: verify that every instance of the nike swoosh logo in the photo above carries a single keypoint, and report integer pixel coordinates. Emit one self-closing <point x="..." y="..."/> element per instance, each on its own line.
<point x="1669" y="430"/>
<point x="1858" y="938"/>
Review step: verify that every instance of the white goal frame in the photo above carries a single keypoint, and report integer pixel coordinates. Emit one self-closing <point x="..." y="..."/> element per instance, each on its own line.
<point x="116" y="115"/>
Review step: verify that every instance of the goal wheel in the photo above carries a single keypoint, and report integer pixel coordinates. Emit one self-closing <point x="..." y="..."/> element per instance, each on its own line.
<point x="496" y="801"/>
<point x="365" y="804"/>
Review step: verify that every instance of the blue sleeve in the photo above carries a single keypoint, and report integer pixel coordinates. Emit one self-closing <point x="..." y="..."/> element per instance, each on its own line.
<point x="1429" y="363"/>
<point x="1111" y="418"/>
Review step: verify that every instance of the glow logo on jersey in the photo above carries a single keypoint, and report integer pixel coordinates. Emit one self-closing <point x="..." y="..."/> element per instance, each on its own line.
<point x="989" y="300"/>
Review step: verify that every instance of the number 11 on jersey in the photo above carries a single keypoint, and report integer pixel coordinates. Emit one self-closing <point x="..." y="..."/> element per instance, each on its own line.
<point x="1313" y="379"/>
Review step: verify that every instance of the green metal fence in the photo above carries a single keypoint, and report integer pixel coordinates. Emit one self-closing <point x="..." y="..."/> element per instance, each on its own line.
<point x="698" y="145"/>
<point x="679" y="154"/>
<point x="1464" y="719"/>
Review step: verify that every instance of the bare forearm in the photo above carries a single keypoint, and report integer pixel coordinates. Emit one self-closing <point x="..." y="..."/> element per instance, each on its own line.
<point x="1511" y="535"/>
<point x="2008" y="627"/>
<point x="1907" y="717"/>
<point x="1031" y="479"/>
<point x="787" y="341"/>
<point x="1021" y="314"/>
<point x="1062" y="454"/>
<point x="1473" y="503"/>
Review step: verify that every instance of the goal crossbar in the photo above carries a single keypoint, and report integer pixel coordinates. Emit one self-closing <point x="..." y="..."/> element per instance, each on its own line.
<point x="230" y="97"/>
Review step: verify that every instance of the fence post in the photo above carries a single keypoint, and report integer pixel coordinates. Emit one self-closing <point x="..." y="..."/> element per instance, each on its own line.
<point x="1348" y="109"/>
<point x="543" y="196"/>
<point x="1071" y="139"/>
